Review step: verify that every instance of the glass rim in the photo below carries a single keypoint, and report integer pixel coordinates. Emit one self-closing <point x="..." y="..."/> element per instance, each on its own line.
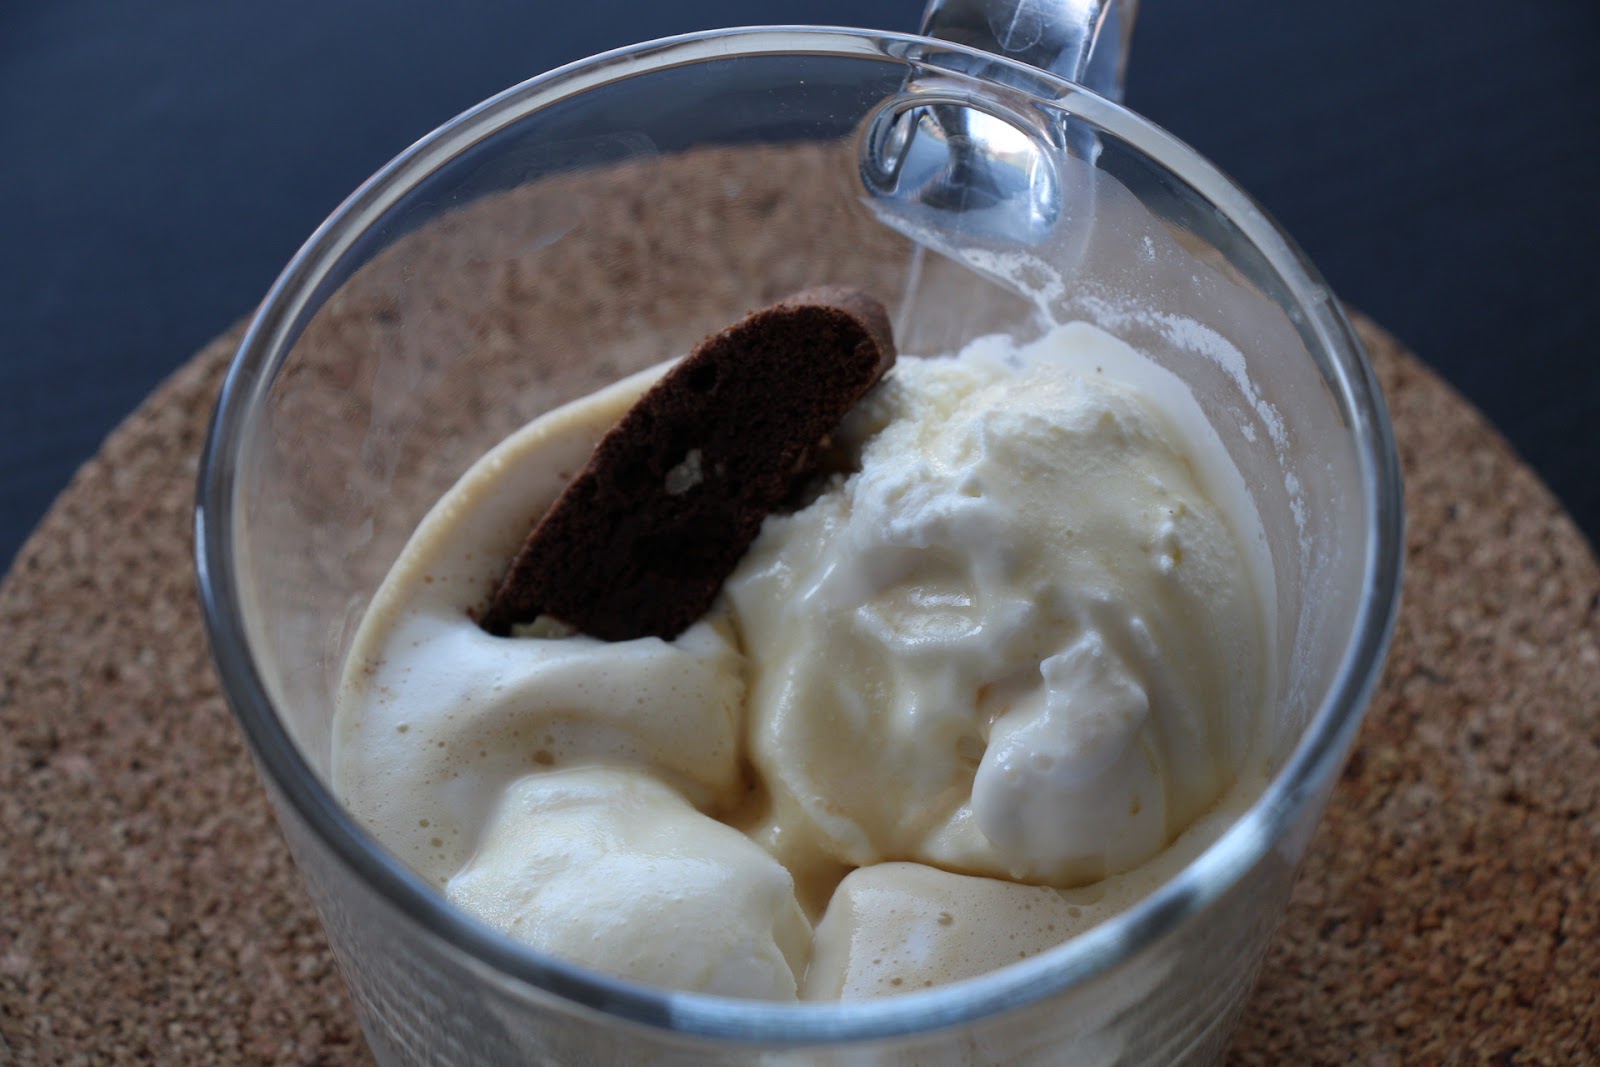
<point x="1198" y="885"/>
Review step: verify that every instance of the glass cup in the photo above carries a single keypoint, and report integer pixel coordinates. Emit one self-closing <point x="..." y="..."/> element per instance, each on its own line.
<point x="599" y="218"/>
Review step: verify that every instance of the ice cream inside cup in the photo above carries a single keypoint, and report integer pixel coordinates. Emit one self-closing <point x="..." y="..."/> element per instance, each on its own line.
<point x="1011" y="649"/>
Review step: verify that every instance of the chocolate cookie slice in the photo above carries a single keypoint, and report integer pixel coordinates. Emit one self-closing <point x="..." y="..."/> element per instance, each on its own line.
<point x="639" y="543"/>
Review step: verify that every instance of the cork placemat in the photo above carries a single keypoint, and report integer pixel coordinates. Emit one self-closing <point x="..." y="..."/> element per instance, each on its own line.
<point x="1449" y="911"/>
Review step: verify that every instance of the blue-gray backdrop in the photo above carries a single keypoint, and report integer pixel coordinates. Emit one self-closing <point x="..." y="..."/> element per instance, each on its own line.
<point x="159" y="162"/>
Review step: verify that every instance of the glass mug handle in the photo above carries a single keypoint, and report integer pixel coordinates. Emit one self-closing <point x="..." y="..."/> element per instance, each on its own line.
<point x="954" y="164"/>
<point x="1083" y="41"/>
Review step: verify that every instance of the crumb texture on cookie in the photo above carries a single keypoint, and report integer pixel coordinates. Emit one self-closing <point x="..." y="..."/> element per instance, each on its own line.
<point x="640" y="541"/>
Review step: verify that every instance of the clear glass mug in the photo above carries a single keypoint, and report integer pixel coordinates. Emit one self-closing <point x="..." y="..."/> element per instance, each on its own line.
<point x="601" y="217"/>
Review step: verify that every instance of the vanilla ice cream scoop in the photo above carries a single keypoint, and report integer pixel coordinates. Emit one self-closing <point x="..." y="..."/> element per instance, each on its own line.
<point x="1024" y="639"/>
<point x="896" y="927"/>
<point x="436" y="718"/>
<point x="614" y="870"/>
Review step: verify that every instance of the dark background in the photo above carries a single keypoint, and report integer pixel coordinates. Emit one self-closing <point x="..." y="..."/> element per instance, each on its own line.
<point x="160" y="161"/>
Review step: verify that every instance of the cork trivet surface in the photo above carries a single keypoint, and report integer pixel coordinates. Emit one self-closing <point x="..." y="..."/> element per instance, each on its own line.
<point x="1449" y="911"/>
